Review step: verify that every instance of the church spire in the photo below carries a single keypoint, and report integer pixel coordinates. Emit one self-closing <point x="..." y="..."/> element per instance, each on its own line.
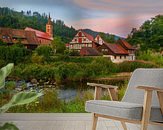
<point x="49" y="19"/>
<point x="49" y="26"/>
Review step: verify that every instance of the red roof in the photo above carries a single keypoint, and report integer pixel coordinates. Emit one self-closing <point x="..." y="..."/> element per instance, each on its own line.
<point x="116" y="48"/>
<point x="89" y="51"/>
<point x="126" y="44"/>
<point x="39" y="34"/>
<point x="90" y="37"/>
<point x="13" y="35"/>
<point x="67" y="44"/>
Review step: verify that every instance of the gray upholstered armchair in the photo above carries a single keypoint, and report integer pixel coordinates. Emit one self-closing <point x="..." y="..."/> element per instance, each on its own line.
<point x="141" y="104"/>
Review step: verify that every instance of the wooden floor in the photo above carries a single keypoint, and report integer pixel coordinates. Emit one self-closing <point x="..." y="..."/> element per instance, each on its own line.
<point x="51" y="121"/>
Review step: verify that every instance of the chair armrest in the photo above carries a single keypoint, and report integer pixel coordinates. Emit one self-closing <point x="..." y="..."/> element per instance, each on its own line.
<point x="112" y="90"/>
<point x="102" y="86"/>
<point x="147" y="88"/>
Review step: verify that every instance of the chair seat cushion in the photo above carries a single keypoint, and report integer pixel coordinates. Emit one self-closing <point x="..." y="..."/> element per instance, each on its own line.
<point x="131" y="111"/>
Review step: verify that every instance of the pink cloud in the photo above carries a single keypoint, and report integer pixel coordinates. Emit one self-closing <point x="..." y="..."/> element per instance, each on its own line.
<point x="137" y="6"/>
<point x="118" y="25"/>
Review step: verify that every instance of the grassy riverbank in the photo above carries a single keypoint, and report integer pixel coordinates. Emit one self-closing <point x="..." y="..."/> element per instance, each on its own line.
<point x="75" y="69"/>
<point x="51" y="102"/>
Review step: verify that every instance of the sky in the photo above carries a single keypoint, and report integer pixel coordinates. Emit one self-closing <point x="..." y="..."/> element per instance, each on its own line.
<point x="110" y="16"/>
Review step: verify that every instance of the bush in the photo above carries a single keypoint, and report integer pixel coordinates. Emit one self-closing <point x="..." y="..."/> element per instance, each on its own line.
<point x="37" y="58"/>
<point x="2" y="63"/>
<point x="68" y="71"/>
<point x="100" y="67"/>
<point x="72" y="52"/>
<point x="130" y="66"/>
<point x="14" y="53"/>
<point x="156" y="58"/>
<point x="44" y="51"/>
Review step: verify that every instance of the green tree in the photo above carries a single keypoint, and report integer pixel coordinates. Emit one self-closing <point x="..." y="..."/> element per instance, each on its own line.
<point x="15" y="53"/>
<point x="58" y="45"/>
<point x="149" y="35"/>
<point x="110" y="38"/>
<point x="45" y="51"/>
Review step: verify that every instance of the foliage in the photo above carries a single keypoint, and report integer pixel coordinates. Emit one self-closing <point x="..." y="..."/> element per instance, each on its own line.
<point x="150" y="56"/>
<point x="38" y="59"/>
<point x="4" y="72"/>
<point x="45" y="51"/>
<point x="71" y="52"/>
<point x="8" y="126"/>
<point x="18" y="99"/>
<point x="63" y="68"/>
<point x="47" y="103"/>
<point x="100" y="66"/>
<point x="130" y="66"/>
<point x="58" y="45"/>
<point x="14" y="54"/>
<point x="149" y="35"/>
<point x="10" y="85"/>
<point x="109" y="38"/>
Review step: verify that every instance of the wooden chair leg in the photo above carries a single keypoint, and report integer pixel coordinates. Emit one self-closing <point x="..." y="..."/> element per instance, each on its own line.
<point x="146" y="110"/>
<point x="124" y="125"/>
<point x="94" y="123"/>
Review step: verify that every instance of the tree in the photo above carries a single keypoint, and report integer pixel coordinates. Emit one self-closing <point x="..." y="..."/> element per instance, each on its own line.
<point x="149" y="35"/>
<point x="45" y="51"/>
<point x="110" y="38"/>
<point x="58" y="45"/>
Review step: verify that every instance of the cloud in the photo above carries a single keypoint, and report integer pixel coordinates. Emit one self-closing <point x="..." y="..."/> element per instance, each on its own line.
<point x="119" y="25"/>
<point x="122" y="6"/>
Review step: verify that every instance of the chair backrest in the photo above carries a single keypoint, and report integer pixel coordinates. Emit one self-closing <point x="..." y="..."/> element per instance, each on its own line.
<point x="143" y="77"/>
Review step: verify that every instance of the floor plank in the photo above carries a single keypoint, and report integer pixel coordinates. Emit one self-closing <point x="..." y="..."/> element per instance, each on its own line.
<point x="57" y="121"/>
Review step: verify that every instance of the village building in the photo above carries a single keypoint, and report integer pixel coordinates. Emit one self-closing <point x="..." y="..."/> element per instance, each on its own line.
<point x="89" y="51"/>
<point x="115" y="52"/>
<point x="44" y="38"/>
<point x="83" y="40"/>
<point x="12" y="36"/>
<point x="130" y="49"/>
<point x="99" y="40"/>
<point x="30" y="38"/>
<point x="89" y="45"/>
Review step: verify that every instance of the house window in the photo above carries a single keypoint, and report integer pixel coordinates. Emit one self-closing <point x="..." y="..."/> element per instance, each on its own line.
<point x="75" y="40"/>
<point x="115" y="57"/>
<point x="84" y="39"/>
<point x="104" y="50"/>
<point x="80" y="34"/>
<point x="120" y="57"/>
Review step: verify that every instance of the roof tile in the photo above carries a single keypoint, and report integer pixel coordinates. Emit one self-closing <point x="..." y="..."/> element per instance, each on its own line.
<point x="39" y="33"/>
<point x="116" y="48"/>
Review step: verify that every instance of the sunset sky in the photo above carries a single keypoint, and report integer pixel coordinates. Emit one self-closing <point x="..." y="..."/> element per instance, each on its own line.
<point x="112" y="16"/>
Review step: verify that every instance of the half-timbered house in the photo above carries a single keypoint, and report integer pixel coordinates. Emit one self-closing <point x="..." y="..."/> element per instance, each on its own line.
<point x="83" y="39"/>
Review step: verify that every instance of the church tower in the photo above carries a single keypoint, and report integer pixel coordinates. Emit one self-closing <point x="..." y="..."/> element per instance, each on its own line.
<point x="49" y="27"/>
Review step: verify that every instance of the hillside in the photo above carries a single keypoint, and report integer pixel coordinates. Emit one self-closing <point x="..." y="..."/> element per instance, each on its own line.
<point x="21" y="20"/>
<point x="110" y="38"/>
